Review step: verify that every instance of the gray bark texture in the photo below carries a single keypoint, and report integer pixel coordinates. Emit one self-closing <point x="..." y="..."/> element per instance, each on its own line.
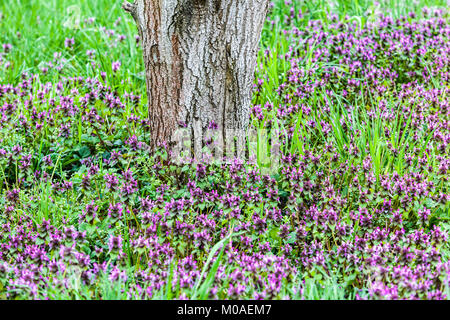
<point x="200" y="57"/>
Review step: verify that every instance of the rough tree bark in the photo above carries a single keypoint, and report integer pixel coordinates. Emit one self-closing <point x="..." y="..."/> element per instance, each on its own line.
<point x="200" y="57"/>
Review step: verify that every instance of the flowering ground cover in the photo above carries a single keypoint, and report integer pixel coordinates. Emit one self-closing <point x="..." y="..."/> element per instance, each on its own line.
<point x="358" y="208"/>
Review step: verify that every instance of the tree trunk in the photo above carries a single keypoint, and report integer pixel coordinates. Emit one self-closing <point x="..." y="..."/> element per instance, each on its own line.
<point x="200" y="57"/>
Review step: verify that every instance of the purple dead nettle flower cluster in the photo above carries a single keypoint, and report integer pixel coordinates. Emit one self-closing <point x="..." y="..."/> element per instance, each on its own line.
<point x="83" y="199"/>
<point x="4" y="50"/>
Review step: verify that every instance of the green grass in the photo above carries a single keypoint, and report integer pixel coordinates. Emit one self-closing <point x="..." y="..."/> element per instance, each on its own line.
<point x="44" y="26"/>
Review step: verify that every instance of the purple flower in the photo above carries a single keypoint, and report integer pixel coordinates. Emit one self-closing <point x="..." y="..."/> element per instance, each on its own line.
<point x="115" y="211"/>
<point x="115" y="244"/>
<point x="116" y="66"/>
<point x="69" y="42"/>
<point x="111" y="182"/>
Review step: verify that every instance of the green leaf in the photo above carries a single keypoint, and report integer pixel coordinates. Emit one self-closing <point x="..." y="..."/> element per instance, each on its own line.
<point x="84" y="152"/>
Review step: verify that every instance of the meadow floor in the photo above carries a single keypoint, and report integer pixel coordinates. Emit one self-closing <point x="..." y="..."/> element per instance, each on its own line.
<point x="358" y="208"/>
